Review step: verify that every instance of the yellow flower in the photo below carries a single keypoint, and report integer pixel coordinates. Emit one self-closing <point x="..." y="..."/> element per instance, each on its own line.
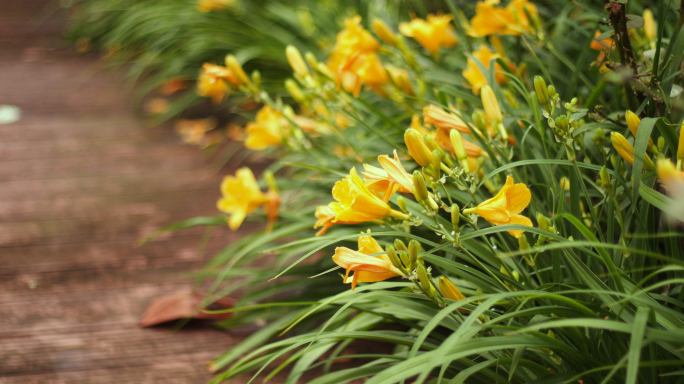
<point x="325" y="216"/>
<point x="490" y="19"/>
<point x="213" y="5"/>
<point x="626" y="151"/>
<point x="266" y="130"/>
<point x="432" y="34"/>
<point x="241" y="196"/>
<point x="354" y="61"/>
<point x="450" y="291"/>
<point x="473" y="74"/>
<point x="355" y="202"/>
<point x="367" y="269"/>
<point x="491" y="105"/>
<point x="214" y="82"/>
<point x="505" y="207"/>
<point x="649" y="25"/>
<point x="194" y="131"/>
<point x="668" y="173"/>
<point x="392" y="177"/>
<point x="633" y="123"/>
<point x="444" y="120"/>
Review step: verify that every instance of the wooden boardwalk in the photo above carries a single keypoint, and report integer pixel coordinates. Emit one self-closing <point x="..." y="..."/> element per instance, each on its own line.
<point x="81" y="180"/>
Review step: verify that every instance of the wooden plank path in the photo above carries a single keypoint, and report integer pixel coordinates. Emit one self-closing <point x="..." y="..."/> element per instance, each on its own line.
<point x="81" y="180"/>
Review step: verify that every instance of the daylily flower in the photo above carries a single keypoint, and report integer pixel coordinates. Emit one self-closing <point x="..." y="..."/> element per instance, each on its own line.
<point x="473" y="74"/>
<point x="601" y="45"/>
<point x="650" y="30"/>
<point x="213" y="5"/>
<point x="354" y="61"/>
<point x="214" y="82"/>
<point x="367" y="269"/>
<point x="356" y="203"/>
<point x="432" y="34"/>
<point x="241" y="196"/>
<point x="194" y="131"/>
<point x="513" y="20"/>
<point x="505" y="207"/>
<point x="444" y="120"/>
<point x="392" y="177"/>
<point x="266" y="130"/>
<point x="325" y="216"/>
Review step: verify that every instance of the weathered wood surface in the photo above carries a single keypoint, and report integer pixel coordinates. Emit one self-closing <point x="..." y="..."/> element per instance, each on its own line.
<point x="81" y="180"/>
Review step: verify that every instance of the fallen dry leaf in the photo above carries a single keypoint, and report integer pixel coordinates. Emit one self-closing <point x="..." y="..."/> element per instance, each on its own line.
<point x="182" y="305"/>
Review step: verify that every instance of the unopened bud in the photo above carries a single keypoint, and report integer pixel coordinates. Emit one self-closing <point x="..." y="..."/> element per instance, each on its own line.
<point x="423" y="277"/>
<point x="383" y="32"/>
<point x="436" y="162"/>
<point x="401" y="202"/>
<point x="551" y="89"/>
<point x="523" y="245"/>
<point x="661" y="143"/>
<point x="605" y="178"/>
<point x="294" y="91"/>
<point x="449" y="290"/>
<point x="394" y="258"/>
<point x="236" y="69"/>
<point x="311" y="59"/>
<point x="649" y="25"/>
<point x="516" y="275"/>
<point x="417" y="148"/>
<point x="680" y="147"/>
<point x="542" y="91"/>
<point x="633" y="123"/>
<point x="294" y="57"/>
<point x="256" y="78"/>
<point x="480" y="122"/>
<point x="562" y="123"/>
<point x="413" y="250"/>
<point x="543" y="223"/>
<point x="491" y="105"/>
<point x="457" y="143"/>
<point x="419" y="188"/>
<point x="322" y="68"/>
<point x="455" y="216"/>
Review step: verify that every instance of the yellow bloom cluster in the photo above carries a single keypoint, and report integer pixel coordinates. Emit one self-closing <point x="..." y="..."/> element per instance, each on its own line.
<point x="241" y="196"/>
<point x="433" y="33"/>
<point x="491" y="19"/>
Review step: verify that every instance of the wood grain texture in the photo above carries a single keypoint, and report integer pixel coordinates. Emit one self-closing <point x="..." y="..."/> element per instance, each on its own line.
<point x="82" y="179"/>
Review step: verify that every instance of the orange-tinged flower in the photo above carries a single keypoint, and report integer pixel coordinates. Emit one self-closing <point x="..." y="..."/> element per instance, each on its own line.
<point x="172" y="86"/>
<point x="378" y="182"/>
<point x="472" y="150"/>
<point x="213" y="5"/>
<point x="505" y="207"/>
<point x="396" y="172"/>
<point x="513" y="20"/>
<point x="432" y="34"/>
<point x="325" y="216"/>
<point x="444" y="120"/>
<point x="668" y="173"/>
<point x="473" y="74"/>
<point x="214" y="82"/>
<point x="355" y="203"/>
<point x="266" y="130"/>
<point x="367" y="269"/>
<point x="604" y="45"/>
<point x="633" y="122"/>
<point x="194" y="131"/>
<point x="449" y="290"/>
<point x="241" y="196"/>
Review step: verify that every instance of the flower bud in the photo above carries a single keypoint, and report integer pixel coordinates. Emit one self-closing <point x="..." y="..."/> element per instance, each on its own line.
<point x="432" y="145"/>
<point x="383" y="32"/>
<point x="400" y="246"/>
<point x="551" y="89"/>
<point x="322" y="68"/>
<point x="423" y="277"/>
<point x="401" y="202"/>
<point x="633" y="123"/>
<point x="649" y="25"/>
<point x="480" y="122"/>
<point x="491" y="105"/>
<point x="523" y="245"/>
<point x="311" y="59"/>
<point x="605" y="178"/>
<point x="417" y="148"/>
<point x="436" y="162"/>
<point x="394" y="258"/>
<point x="449" y="290"/>
<point x="294" y="57"/>
<point x="457" y="143"/>
<point x="413" y="250"/>
<point x="294" y="91"/>
<point x="626" y="151"/>
<point x="419" y="188"/>
<point x="543" y="223"/>
<point x="542" y="91"/>
<point x="565" y="183"/>
<point x="236" y="69"/>
<point x="256" y="78"/>
<point x="455" y="216"/>
<point x="599" y="138"/>
<point x="400" y="78"/>
<point x="661" y="143"/>
<point x="516" y="275"/>
<point x="562" y="123"/>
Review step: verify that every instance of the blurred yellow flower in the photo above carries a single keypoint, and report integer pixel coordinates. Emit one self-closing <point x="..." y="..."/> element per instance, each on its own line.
<point x="473" y="74"/>
<point x="432" y="34"/>
<point x="194" y="131"/>
<point x="505" y="207"/>
<point x="491" y="19"/>
<point x="668" y="173"/>
<point x="241" y="196"/>
<point x="156" y="106"/>
<point x="355" y="202"/>
<point x="266" y="130"/>
<point x="213" y="5"/>
<point x="214" y="82"/>
<point x="367" y="269"/>
<point x="650" y="30"/>
<point x="354" y="61"/>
